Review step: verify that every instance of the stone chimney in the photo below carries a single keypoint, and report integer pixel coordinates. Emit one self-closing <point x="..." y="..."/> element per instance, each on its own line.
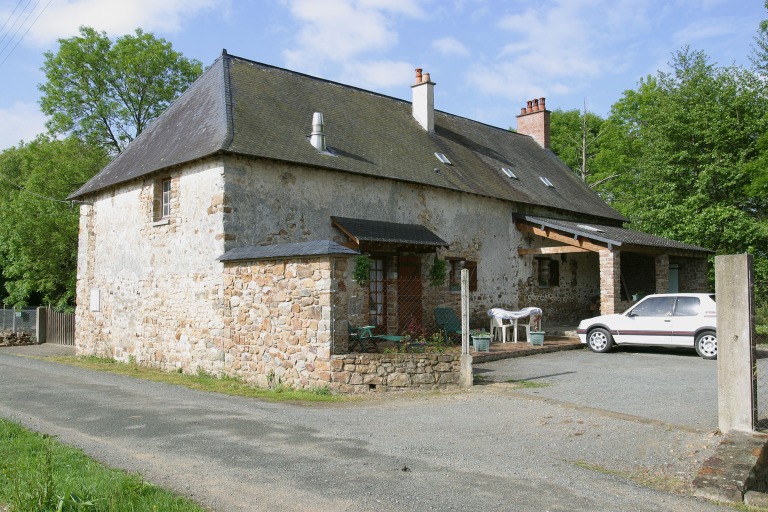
<point x="423" y="104"/>
<point x="534" y="122"/>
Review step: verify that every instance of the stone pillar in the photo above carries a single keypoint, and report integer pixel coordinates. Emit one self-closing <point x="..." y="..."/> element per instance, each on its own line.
<point x="610" y="281"/>
<point x="662" y="273"/>
<point x="736" y="386"/>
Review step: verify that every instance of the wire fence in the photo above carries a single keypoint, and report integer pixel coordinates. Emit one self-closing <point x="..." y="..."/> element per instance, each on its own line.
<point x="394" y="314"/>
<point x="18" y="320"/>
<point x="761" y="354"/>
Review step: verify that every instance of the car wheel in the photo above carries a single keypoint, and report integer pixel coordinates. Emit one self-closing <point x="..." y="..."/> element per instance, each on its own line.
<point x="706" y="345"/>
<point x="599" y="340"/>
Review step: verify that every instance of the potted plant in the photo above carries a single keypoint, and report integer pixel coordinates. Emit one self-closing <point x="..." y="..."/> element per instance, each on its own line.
<point x="481" y="340"/>
<point x="536" y="336"/>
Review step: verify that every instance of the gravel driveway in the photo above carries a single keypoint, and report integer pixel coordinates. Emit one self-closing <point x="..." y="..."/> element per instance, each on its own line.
<point x="672" y="386"/>
<point x="492" y="448"/>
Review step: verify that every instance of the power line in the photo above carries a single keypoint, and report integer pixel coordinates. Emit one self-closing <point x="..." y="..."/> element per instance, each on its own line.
<point x="9" y="17"/>
<point x="28" y="28"/>
<point x="24" y="189"/>
<point x="18" y="17"/>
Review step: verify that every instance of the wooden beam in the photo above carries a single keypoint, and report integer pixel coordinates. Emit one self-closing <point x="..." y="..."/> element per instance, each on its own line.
<point x="551" y="234"/>
<point x="551" y="250"/>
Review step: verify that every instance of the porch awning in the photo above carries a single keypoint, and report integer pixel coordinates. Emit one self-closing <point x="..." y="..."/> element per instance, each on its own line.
<point x="362" y="230"/>
<point x="284" y="251"/>
<point x="595" y="237"/>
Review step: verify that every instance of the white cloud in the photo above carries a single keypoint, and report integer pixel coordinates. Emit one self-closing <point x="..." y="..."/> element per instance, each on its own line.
<point x="707" y="28"/>
<point x="382" y="74"/>
<point x="557" y="47"/>
<point x="450" y="46"/>
<point x="22" y="121"/>
<point x="62" y="19"/>
<point x="339" y="31"/>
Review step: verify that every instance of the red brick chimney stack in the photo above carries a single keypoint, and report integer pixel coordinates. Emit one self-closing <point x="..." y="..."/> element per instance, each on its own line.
<point x="534" y="121"/>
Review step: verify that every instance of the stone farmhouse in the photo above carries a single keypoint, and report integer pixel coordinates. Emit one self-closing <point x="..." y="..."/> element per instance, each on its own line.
<point x="225" y="236"/>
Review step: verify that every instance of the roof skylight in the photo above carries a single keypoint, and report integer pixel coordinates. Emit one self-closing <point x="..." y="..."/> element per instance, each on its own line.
<point x="443" y="158"/>
<point x="590" y="228"/>
<point x="509" y="173"/>
<point x="546" y="181"/>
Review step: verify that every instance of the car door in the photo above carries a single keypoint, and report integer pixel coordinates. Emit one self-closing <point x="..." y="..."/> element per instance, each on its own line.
<point x="648" y="323"/>
<point x="685" y="320"/>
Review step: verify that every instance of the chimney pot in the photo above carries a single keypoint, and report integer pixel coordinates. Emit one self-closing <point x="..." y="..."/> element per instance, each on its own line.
<point x="317" y="138"/>
<point x="423" y="104"/>
<point x="534" y="121"/>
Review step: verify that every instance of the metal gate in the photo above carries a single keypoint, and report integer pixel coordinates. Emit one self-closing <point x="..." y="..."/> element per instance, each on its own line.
<point x="59" y="327"/>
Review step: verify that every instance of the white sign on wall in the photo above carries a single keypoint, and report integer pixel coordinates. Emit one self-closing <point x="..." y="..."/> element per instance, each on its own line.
<point x="95" y="300"/>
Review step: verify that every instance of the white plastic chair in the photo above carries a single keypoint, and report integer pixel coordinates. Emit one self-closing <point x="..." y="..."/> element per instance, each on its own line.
<point x="498" y="324"/>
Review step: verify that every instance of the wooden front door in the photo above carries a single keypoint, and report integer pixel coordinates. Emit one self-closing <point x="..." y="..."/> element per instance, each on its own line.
<point x="409" y="302"/>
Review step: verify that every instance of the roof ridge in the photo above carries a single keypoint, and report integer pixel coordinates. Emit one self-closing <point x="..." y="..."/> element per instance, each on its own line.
<point x="229" y="114"/>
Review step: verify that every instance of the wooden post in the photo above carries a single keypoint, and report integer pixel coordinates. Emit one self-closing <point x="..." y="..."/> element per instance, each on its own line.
<point x="41" y="327"/>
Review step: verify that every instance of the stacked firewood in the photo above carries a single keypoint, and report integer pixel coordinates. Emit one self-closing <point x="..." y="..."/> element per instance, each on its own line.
<point x="14" y="339"/>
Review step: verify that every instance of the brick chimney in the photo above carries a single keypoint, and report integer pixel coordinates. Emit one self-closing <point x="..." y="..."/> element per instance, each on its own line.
<point x="534" y="122"/>
<point x="423" y="104"/>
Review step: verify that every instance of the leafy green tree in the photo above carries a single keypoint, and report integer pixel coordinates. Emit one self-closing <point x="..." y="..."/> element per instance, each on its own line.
<point x="691" y="138"/>
<point x="577" y="139"/>
<point x="107" y="92"/>
<point x="38" y="249"/>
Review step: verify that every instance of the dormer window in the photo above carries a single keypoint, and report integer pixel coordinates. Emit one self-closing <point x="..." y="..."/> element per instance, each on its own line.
<point x="443" y="158"/>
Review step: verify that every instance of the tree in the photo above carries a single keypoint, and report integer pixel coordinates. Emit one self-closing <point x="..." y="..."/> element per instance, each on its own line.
<point x="38" y="249"/>
<point x="759" y="55"/>
<point x="692" y="139"/>
<point x="106" y="92"/>
<point x="576" y="138"/>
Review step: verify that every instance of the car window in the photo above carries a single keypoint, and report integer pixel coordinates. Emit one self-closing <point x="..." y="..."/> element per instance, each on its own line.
<point x="655" y="306"/>
<point x="687" y="306"/>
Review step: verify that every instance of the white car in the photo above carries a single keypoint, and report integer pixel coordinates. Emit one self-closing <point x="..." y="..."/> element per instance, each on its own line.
<point x="668" y="320"/>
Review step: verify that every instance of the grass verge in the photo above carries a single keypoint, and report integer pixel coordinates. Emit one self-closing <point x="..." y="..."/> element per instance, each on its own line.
<point x="647" y="478"/>
<point x="201" y="381"/>
<point x="37" y="473"/>
<point x="527" y="384"/>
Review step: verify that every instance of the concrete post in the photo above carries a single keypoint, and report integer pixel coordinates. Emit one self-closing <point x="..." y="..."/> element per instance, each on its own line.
<point x="466" y="377"/>
<point x="736" y="385"/>
<point x="41" y="325"/>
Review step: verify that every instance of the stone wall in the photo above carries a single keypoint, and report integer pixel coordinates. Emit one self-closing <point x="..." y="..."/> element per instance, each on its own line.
<point x="278" y="321"/>
<point x="361" y="373"/>
<point x="152" y="291"/>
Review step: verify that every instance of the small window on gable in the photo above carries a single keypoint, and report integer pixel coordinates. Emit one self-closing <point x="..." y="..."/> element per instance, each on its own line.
<point x="457" y="265"/>
<point x="166" y="197"/>
<point x="548" y="272"/>
<point x="161" y="208"/>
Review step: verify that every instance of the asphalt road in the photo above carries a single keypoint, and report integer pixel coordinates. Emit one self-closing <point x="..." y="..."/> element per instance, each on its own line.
<point x="493" y="448"/>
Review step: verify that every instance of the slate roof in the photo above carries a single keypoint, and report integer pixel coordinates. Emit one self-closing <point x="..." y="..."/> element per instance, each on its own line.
<point x="290" y="250"/>
<point x="612" y="235"/>
<point x="247" y="108"/>
<point x="388" y="232"/>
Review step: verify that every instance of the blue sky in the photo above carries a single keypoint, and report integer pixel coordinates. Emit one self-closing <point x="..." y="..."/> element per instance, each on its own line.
<point x="488" y="57"/>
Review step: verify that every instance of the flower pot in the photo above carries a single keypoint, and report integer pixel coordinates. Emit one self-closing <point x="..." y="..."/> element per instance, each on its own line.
<point x="481" y="343"/>
<point x="537" y="338"/>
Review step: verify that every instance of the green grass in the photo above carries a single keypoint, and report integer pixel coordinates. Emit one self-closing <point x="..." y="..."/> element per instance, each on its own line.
<point x="527" y="384"/>
<point x="39" y="474"/>
<point x="202" y="381"/>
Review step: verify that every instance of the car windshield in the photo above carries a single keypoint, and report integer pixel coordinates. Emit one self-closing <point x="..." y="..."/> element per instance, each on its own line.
<point x="654" y="306"/>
